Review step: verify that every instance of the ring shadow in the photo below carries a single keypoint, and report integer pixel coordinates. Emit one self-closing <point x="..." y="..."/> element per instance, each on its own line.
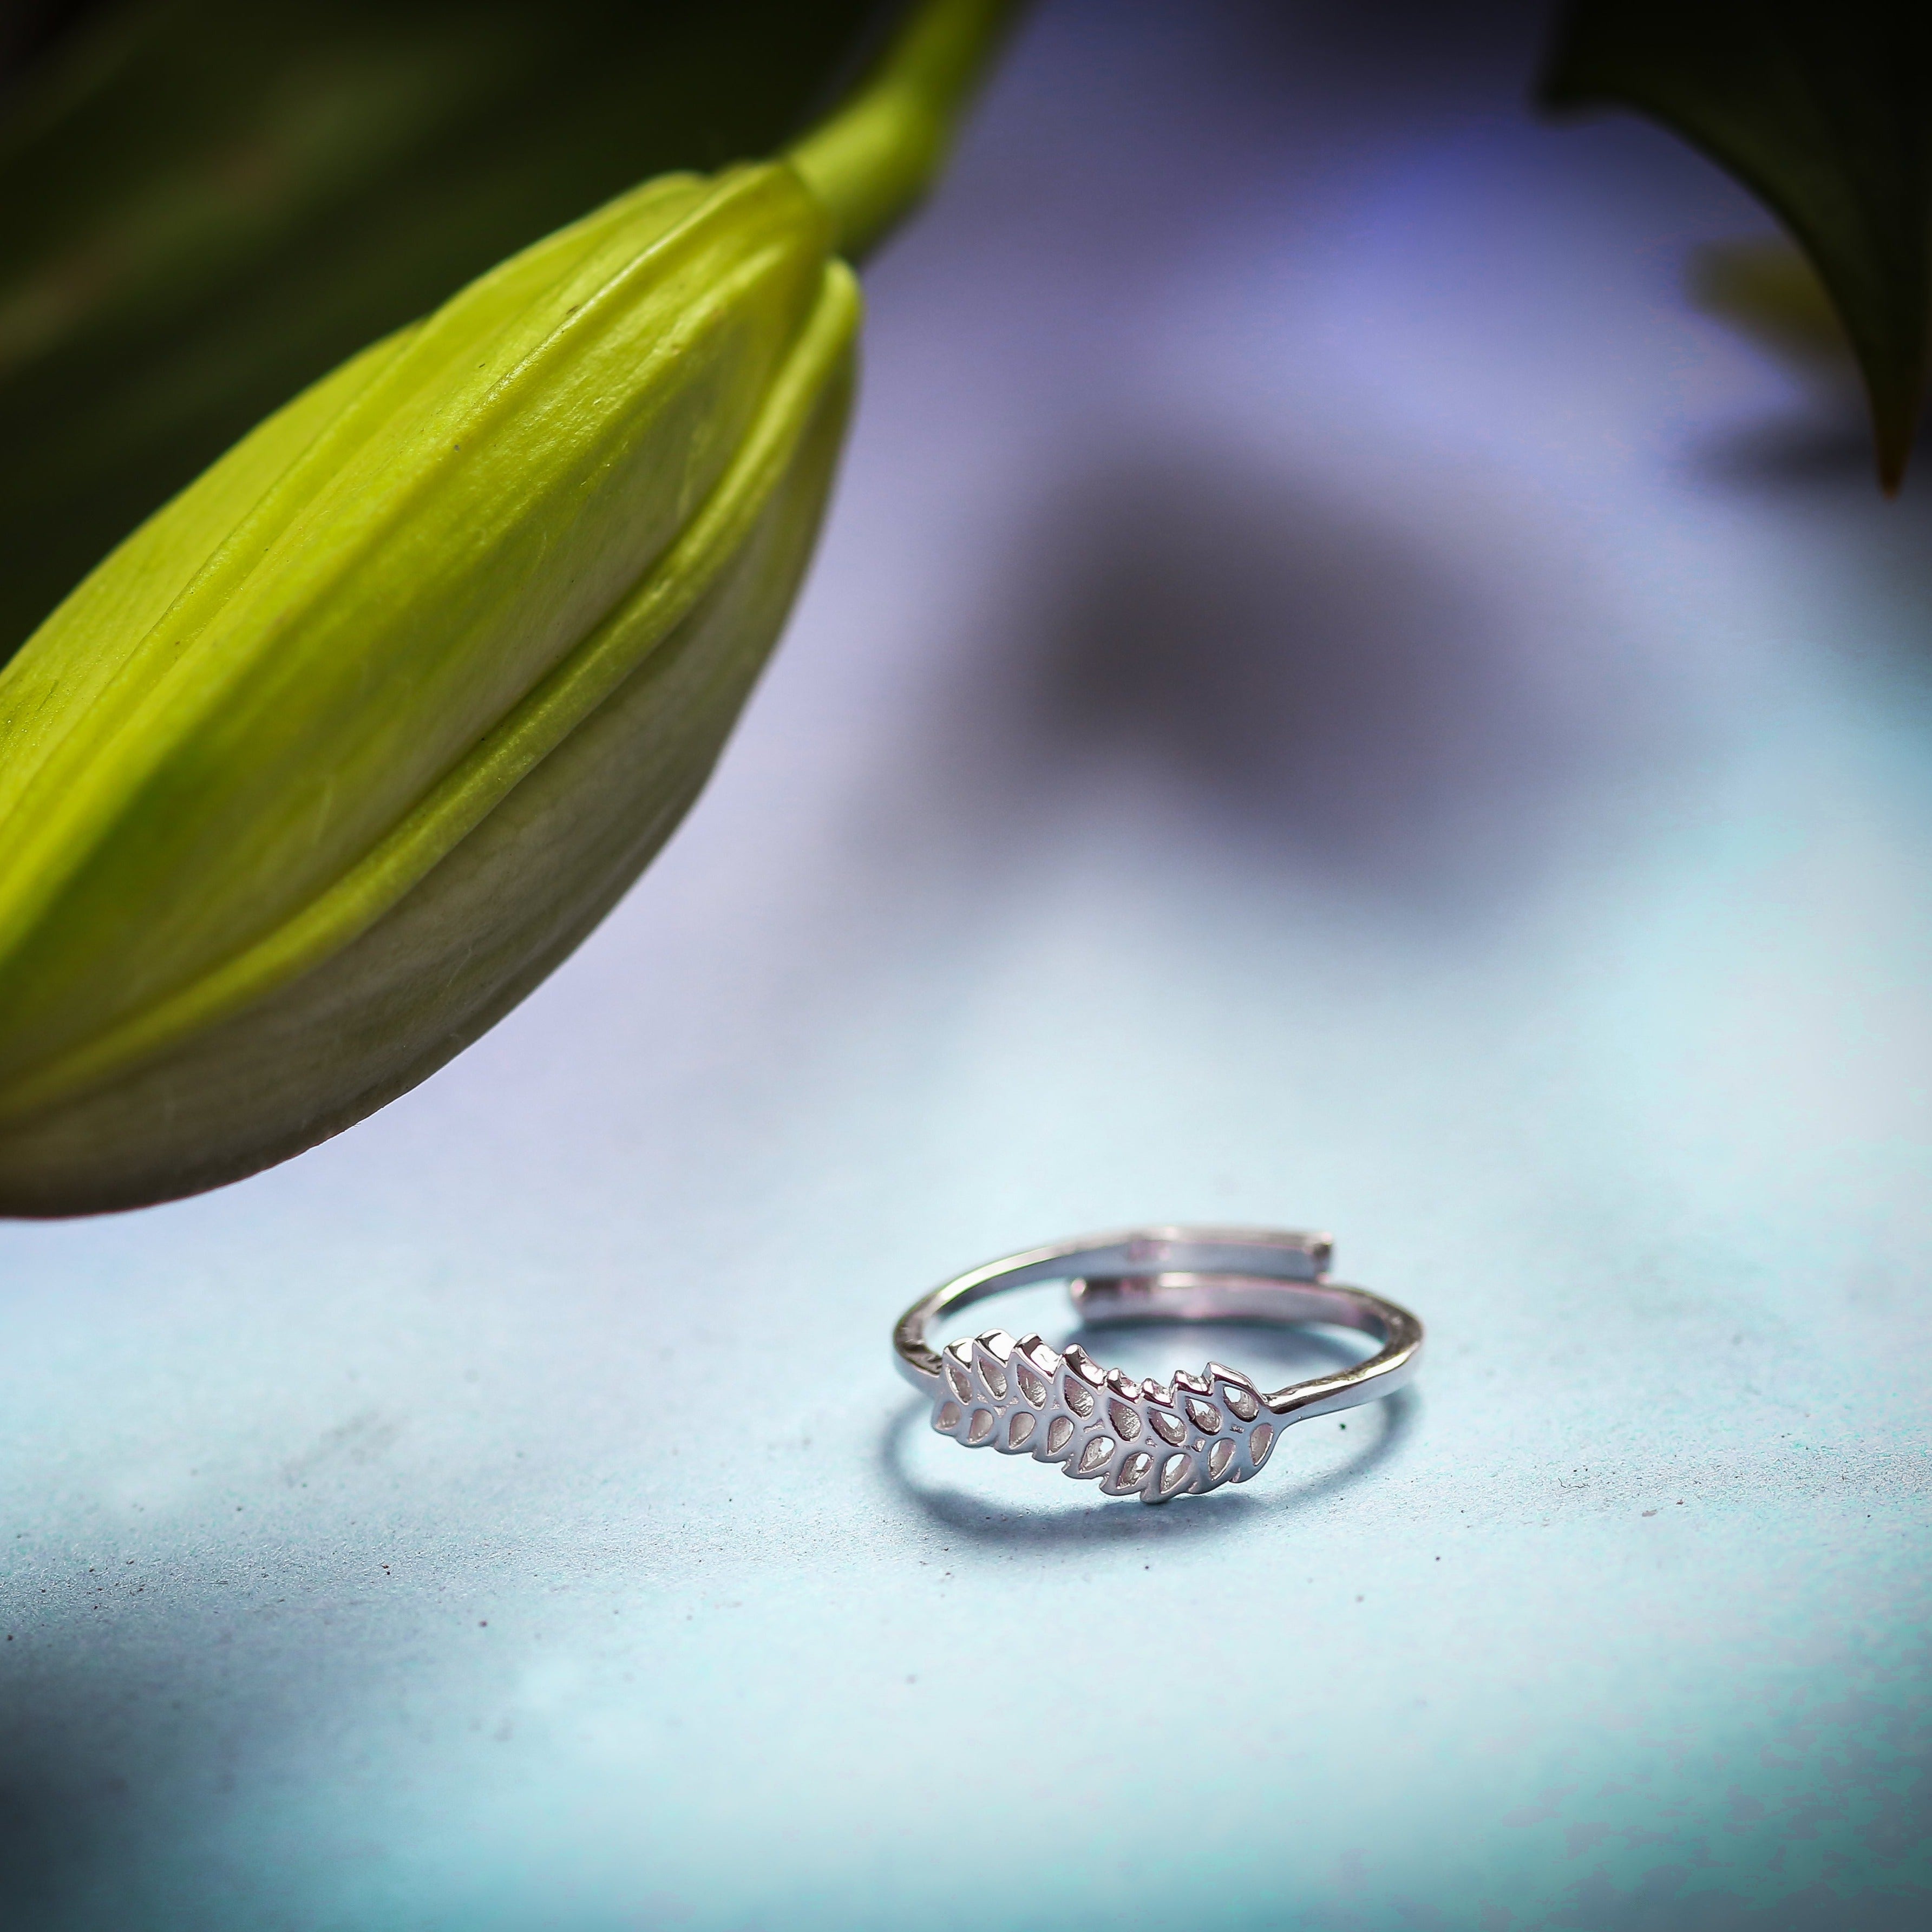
<point x="1080" y="1524"/>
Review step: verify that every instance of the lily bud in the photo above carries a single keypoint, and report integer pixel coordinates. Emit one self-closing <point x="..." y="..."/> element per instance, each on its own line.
<point x="339" y="753"/>
<point x="345" y="748"/>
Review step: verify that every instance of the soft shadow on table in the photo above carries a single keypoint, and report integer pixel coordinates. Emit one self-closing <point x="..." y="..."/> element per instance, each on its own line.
<point x="1064" y="1514"/>
<point x="1798" y="452"/>
<point x="1810" y="476"/>
<point x="51" y="1824"/>
<point x="86" y="1739"/>
<point x="1821" y="458"/>
<point x="121" y="1737"/>
<point x="1324" y="689"/>
<point x="1820" y="439"/>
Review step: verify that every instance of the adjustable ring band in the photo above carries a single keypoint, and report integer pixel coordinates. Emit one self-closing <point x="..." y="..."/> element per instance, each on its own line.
<point x="1154" y="1440"/>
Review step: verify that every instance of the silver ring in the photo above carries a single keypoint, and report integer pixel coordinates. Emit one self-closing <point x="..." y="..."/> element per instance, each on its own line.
<point x="1153" y="1440"/>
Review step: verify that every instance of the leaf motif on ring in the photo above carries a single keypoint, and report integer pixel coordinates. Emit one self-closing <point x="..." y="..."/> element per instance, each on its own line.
<point x="1021" y="1398"/>
<point x="1244" y="1402"/>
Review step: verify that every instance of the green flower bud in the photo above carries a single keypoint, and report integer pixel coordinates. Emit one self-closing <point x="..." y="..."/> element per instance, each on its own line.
<point x="330" y="762"/>
<point x="344" y="749"/>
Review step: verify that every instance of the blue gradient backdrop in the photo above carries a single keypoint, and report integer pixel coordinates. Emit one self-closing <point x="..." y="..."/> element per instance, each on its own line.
<point x="1330" y="696"/>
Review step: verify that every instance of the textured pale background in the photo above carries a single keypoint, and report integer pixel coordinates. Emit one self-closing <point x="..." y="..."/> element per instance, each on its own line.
<point x="1330" y="696"/>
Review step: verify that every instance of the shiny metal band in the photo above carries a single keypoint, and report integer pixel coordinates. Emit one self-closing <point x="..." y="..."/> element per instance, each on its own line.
<point x="1154" y="1440"/>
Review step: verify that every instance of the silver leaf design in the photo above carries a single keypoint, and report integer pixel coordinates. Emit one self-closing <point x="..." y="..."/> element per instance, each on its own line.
<point x="1025" y="1399"/>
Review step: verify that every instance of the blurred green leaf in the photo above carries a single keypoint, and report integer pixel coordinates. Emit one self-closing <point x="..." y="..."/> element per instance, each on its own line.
<point x="1823" y="108"/>
<point x="1768" y="290"/>
<point x="206" y="204"/>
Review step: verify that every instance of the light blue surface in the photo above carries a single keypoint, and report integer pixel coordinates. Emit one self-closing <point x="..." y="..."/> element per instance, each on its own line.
<point x="1330" y="698"/>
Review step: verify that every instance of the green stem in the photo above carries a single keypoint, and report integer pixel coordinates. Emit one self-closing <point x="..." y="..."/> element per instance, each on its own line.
<point x="876" y="156"/>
